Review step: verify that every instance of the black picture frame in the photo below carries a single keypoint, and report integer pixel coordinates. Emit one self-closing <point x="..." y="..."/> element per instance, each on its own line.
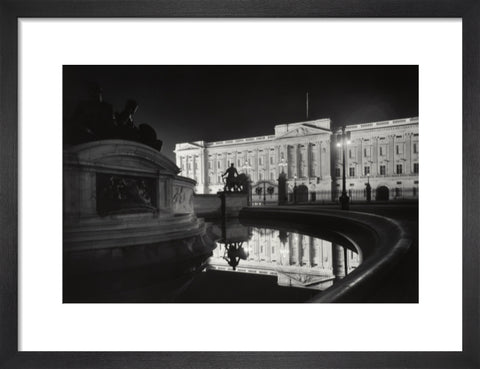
<point x="11" y="10"/>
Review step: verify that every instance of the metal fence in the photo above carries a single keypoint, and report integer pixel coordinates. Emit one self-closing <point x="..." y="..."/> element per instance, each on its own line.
<point x="381" y="194"/>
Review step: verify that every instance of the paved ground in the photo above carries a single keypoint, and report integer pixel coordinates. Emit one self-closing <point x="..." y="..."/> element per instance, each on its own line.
<point x="401" y="285"/>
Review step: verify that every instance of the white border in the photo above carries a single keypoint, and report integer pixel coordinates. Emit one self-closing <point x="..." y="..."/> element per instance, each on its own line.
<point x="46" y="324"/>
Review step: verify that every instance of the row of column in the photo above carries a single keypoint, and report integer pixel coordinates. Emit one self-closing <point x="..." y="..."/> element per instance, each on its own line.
<point x="308" y="160"/>
<point x="390" y="158"/>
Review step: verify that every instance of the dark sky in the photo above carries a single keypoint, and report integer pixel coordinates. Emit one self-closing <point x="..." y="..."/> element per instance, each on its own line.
<point x="190" y="103"/>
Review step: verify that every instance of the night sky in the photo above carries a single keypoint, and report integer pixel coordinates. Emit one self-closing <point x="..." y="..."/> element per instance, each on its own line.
<point x="211" y="103"/>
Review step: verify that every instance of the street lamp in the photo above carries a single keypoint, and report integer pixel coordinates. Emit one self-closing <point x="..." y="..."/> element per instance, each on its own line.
<point x="264" y="189"/>
<point x="343" y="139"/>
<point x="282" y="183"/>
<point x="246" y="167"/>
<point x="369" y="188"/>
<point x="282" y="164"/>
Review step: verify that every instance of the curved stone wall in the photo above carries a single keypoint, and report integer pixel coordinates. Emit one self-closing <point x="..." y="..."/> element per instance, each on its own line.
<point x="382" y="241"/>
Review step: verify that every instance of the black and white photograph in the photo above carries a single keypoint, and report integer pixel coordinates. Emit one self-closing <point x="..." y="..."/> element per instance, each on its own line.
<point x="181" y="179"/>
<point x="240" y="183"/>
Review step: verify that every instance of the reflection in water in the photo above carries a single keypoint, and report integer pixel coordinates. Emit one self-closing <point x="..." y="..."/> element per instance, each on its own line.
<point x="233" y="253"/>
<point x="296" y="260"/>
<point x="245" y="264"/>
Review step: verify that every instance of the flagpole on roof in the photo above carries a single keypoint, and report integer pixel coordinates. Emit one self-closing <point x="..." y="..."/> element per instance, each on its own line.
<point x="307" y="104"/>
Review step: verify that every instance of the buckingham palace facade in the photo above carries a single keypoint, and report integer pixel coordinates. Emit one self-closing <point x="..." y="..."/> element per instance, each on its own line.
<point x="383" y="154"/>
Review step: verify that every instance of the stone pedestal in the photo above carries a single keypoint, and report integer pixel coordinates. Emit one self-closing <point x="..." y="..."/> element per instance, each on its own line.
<point x="232" y="203"/>
<point x="123" y="193"/>
<point x="282" y="189"/>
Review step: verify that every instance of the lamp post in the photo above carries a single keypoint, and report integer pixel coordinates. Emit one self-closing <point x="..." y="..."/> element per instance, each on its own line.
<point x="264" y="189"/>
<point x="282" y="165"/>
<point x="246" y="167"/>
<point x="282" y="184"/>
<point x="369" y="189"/>
<point x="343" y="139"/>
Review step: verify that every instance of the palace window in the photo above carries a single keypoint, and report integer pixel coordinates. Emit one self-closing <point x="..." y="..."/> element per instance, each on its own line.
<point x="260" y="161"/>
<point x="350" y="154"/>
<point x="218" y="164"/>
<point x="366" y="152"/>
<point x="399" y="149"/>
<point x="366" y="170"/>
<point x="381" y="151"/>
<point x="415" y="168"/>
<point x="382" y="170"/>
<point x="351" y="172"/>
<point x="399" y="168"/>
<point x="337" y="172"/>
<point x="415" y="148"/>
<point x="271" y="159"/>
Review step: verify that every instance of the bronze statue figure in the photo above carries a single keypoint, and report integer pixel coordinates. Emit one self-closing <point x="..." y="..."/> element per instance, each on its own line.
<point x="94" y="120"/>
<point x="231" y="173"/>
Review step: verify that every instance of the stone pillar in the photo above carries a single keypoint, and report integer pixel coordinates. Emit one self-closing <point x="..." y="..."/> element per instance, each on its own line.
<point x="408" y="154"/>
<point x="255" y="165"/>
<point x="290" y="249"/>
<point x="320" y="156"/>
<point x="391" y="149"/>
<point x="299" y="249"/>
<point x="295" y="160"/>
<point x="362" y="157"/>
<point x="269" y="248"/>
<point x="309" y="251"/>
<point x="326" y="173"/>
<point x="204" y="170"/>
<point x="307" y="159"/>
<point x="288" y="160"/>
<point x="338" y="261"/>
<point x="282" y="189"/>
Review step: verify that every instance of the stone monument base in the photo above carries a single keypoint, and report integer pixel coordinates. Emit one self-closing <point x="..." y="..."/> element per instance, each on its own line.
<point x="129" y="230"/>
<point x="119" y="193"/>
<point x="232" y="203"/>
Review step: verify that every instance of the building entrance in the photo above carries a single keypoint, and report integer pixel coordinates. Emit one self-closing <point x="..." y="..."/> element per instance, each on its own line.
<point x="382" y="194"/>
